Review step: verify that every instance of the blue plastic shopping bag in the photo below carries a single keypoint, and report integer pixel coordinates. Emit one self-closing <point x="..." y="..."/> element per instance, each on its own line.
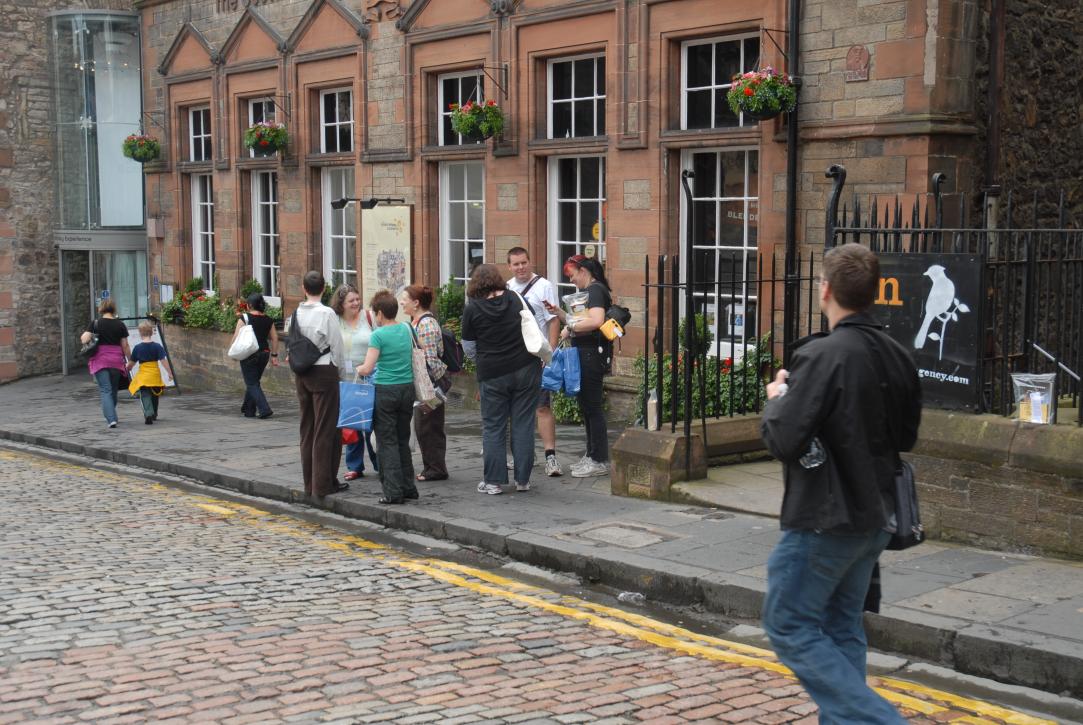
<point x="355" y="403"/>
<point x="553" y="373"/>
<point x="572" y="374"/>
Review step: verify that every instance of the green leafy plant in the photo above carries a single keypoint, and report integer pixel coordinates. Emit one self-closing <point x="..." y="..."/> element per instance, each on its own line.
<point x="702" y="335"/>
<point x="566" y="409"/>
<point x="762" y="93"/>
<point x="266" y="138"/>
<point x="477" y="119"/>
<point x="450" y="302"/>
<point x="195" y="284"/>
<point x="202" y="312"/>
<point x="141" y="148"/>
<point x="250" y="287"/>
<point x="328" y="293"/>
<point x="740" y="386"/>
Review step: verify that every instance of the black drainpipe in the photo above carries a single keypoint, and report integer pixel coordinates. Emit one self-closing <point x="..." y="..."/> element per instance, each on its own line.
<point x="992" y="126"/>
<point x="792" y="292"/>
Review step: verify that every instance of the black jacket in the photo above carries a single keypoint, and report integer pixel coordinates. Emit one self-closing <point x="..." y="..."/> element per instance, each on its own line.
<point x="493" y="323"/>
<point x="835" y="394"/>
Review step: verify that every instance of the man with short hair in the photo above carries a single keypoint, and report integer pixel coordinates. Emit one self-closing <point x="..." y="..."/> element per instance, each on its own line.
<point x="317" y="391"/>
<point x="537" y="291"/>
<point x="837" y="420"/>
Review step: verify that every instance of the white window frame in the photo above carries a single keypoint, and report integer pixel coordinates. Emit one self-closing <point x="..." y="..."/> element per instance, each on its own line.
<point x="203" y="252"/>
<point x="271" y="292"/>
<point x="449" y="246"/>
<point x="267" y="111"/>
<point x="337" y="123"/>
<point x="747" y="298"/>
<point x="204" y="135"/>
<point x="335" y="187"/>
<point x="555" y="245"/>
<point x="716" y="89"/>
<point x="442" y="103"/>
<point x="593" y="97"/>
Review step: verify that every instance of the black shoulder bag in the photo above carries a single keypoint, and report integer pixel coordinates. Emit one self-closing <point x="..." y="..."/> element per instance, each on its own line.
<point x="89" y="348"/>
<point x="301" y="351"/>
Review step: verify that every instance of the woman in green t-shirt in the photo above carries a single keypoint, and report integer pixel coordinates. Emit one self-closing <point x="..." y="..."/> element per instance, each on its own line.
<point x="392" y="345"/>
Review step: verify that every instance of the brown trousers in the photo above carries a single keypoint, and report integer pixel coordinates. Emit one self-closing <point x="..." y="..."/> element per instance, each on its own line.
<point x="321" y="442"/>
<point x="431" y="438"/>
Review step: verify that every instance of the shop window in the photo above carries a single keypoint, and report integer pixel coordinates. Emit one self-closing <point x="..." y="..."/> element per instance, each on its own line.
<point x="199" y="134"/>
<point x="576" y="213"/>
<point x="456" y="88"/>
<point x="336" y="121"/>
<point x="725" y="220"/>
<point x="260" y="110"/>
<point x="265" y="251"/>
<point x="576" y="99"/>
<point x="203" y="262"/>
<point x="462" y="219"/>
<point x="707" y="71"/>
<point x="339" y="227"/>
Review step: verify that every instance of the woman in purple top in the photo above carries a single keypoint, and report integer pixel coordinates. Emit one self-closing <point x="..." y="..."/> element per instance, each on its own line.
<point x="110" y="359"/>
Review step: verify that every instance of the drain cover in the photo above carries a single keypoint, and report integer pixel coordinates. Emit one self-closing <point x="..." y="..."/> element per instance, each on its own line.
<point x="624" y="535"/>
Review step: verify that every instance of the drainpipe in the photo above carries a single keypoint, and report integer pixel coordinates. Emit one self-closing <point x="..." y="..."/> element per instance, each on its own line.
<point x="992" y="126"/>
<point x="791" y="291"/>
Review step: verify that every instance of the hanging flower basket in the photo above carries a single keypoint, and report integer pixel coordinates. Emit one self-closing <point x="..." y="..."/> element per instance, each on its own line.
<point x="762" y="94"/>
<point x="477" y="120"/>
<point x="142" y="148"/>
<point x="266" y="139"/>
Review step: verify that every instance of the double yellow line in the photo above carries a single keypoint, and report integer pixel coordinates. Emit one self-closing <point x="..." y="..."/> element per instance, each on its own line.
<point x="909" y="695"/>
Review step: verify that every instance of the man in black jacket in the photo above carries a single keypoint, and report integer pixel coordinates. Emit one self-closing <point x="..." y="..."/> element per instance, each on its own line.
<point x="837" y="421"/>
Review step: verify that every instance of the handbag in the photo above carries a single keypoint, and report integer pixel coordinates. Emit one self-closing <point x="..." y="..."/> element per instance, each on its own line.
<point x="535" y="341"/>
<point x="89" y="348"/>
<point x="909" y="530"/>
<point x="356" y="402"/>
<point x="572" y="373"/>
<point x="244" y="345"/>
<point x="301" y="351"/>
<point x="423" y="387"/>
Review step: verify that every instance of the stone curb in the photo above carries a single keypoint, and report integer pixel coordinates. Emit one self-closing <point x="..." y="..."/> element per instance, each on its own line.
<point x="966" y="647"/>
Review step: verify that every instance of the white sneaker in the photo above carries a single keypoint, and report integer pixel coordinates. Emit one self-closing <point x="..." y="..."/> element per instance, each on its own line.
<point x="581" y="462"/>
<point x="552" y="466"/>
<point x="592" y="469"/>
<point x="490" y="488"/>
<point x="522" y="486"/>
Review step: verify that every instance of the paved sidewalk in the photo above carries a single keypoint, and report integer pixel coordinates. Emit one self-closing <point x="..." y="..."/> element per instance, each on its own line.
<point x="1007" y="616"/>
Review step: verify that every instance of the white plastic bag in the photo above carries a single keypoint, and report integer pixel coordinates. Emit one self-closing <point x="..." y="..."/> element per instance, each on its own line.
<point x="1034" y="396"/>
<point x="535" y="341"/>
<point x="244" y="345"/>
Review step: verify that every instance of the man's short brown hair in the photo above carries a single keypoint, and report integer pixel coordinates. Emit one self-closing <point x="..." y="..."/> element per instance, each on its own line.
<point x="516" y="251"/>
<point x="853" y="271"/>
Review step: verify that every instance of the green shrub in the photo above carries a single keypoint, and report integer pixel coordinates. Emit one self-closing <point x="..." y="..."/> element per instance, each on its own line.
<point x="203" y="313"/>
<point x="275" y="313"/>
<point x="250" y="287"/>
<point x="195" y="284"/>
<point x="740" y="387"/>
<point x="702" y="335"/>
<point x="450" y="301"/>
<point x="566" y="409"/>
<point x="328" y="292"/>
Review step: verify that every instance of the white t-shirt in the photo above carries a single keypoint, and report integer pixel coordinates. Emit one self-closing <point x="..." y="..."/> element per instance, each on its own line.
<point x="542" y="289"/>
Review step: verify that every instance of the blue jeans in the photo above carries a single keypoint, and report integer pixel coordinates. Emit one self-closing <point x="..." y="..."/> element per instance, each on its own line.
<point x="512" y="396"/>
<point x="816" y="585"/>
<point x="108" y="380"/>
<point x="252" y="368"/>
<point x="355" y="453"/>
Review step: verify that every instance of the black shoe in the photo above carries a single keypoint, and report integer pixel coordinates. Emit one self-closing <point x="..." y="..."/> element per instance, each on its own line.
<point x="340" y="487"/>
<point x="265" y="416"/>
<point x="413" y="495"/>
<point x="148" y="420"/>
<point x="389" y="501"/>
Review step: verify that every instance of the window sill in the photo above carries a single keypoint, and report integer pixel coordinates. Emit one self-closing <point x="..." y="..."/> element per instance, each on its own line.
<point x="458" y="151"/>
<point x="732" y="135"/>
<point x="195" y="167"/>
<point x="578" y="144"/>
<point x="329" y="159"/>
<point x="258" y="162"/>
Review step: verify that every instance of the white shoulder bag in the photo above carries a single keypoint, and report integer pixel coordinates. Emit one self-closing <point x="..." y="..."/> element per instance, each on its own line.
<point x="535" y="341"/>
<point x="244" y="345"/>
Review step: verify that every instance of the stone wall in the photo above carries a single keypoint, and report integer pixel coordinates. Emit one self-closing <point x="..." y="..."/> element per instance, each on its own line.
<point x="29" y="266"/>
<point x="200" y="361"/>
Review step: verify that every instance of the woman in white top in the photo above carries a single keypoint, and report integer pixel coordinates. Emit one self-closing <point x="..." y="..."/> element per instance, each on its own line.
<point x="356" y="325"/>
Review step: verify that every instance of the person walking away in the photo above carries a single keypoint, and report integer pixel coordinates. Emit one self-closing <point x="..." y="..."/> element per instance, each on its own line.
<point x="317" y="392"/>
<point x="827" y="420"/>
<point x="109" y="360"/>
<point x="392" y="346"/>
<point x="541" y="294"/>
<point x="595" y="357"/>
<point x="416" y="301"/>
<point x="508" y="375"/>
<point x="252" y="367"/>
<point x="356" y="331"/>
<point x="147" y="383"/>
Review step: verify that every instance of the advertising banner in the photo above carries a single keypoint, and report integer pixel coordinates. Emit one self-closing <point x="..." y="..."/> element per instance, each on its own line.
<point x="385" y="249"/>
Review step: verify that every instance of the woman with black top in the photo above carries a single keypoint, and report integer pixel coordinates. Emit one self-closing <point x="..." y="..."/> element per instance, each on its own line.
<point x="252" y="367"/>
<point x="109" y="361"/>
<point x="595" y="356"/>
<point x="508" y="375"/>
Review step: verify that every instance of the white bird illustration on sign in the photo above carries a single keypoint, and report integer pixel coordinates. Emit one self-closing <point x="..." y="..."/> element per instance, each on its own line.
<point x="942" y="305"/>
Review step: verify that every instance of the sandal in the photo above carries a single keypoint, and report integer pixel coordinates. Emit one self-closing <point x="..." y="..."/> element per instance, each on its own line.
<point x="351" y="475"/>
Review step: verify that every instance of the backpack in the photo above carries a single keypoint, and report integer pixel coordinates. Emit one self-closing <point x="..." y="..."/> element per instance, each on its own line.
<point x="452" y="353"/>
<point x="301" y="351"/>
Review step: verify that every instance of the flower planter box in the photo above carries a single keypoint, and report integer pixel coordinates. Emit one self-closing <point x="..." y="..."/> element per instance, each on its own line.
<point x="199" y="357"/>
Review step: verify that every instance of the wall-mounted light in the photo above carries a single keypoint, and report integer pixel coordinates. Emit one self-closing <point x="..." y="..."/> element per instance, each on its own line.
<point x="369" y="203"/>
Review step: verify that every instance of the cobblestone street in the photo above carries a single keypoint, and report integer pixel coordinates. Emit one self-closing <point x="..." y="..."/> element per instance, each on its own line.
<point x="124" y="600"/>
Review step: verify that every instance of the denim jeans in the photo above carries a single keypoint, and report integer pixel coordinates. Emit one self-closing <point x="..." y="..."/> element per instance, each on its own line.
<point x="355" y="453"/>
<point x="816" y="585"/>
<point x="391" y="416"/>
<point x="593" y="366"/>
<point x="252" y="368"/>
<point x="512" y="396"/>
<point x="108" y="380"/>
<point x="148" y="397"/>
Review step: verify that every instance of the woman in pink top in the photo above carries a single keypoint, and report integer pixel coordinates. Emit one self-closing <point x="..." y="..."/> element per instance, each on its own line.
<point x="110" y="359"/>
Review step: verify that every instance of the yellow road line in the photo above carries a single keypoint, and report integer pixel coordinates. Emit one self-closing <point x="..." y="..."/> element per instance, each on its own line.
<point x="628" y="624"/>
